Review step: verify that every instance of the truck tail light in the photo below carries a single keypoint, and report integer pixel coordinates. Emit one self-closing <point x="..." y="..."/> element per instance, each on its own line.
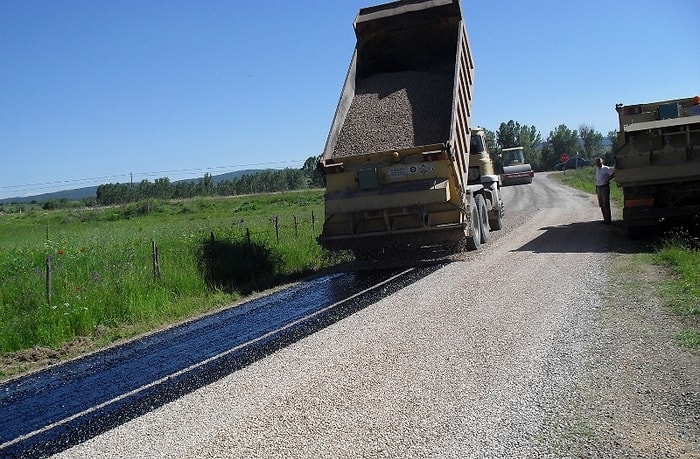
<point x="639" y="202"/>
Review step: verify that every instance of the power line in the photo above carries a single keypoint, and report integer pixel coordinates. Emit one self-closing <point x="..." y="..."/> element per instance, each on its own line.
<point x="90" y="181"/>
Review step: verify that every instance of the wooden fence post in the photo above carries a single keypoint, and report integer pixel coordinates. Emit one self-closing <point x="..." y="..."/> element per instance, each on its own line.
<point x="156" y="260"/>
<point x="48" y="279"/>
<point x="277" y="228"/>
<point x="296" y="227"/>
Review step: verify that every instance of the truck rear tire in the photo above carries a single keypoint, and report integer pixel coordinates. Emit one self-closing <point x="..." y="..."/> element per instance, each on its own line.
<point x="496" y="223"/>
<point x="483" y="218"/>
<point x="474" y="238"/>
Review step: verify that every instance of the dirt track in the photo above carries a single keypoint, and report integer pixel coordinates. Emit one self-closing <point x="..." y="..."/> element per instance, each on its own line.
<point x="538" y="345"/>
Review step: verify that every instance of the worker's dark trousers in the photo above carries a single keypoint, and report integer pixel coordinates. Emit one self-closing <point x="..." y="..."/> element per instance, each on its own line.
<point x="603" y="193"/>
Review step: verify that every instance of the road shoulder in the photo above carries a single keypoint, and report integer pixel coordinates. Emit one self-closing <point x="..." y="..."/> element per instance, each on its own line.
<point x="640" y="391"/>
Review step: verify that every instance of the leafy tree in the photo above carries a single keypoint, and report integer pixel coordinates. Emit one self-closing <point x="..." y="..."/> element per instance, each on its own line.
<point x="244" y="185"/>
<point x="225" y="188"/>
<point x="531" y="139"/>
<point x="144" y="190"/>
<point x="591" y="140"/>
<point x="162" y="189"/>
<point x="51" y="204"/>
<point x="313" y="175"/>
<point x="186" y="189"/>
<point x="560" y="141"/>
<point x="296" y="179"/>
<point x="112" y="193"/>
<point x="507" y="134"/>
<point x="614" y="145"/>
<point x="206" y="185"/>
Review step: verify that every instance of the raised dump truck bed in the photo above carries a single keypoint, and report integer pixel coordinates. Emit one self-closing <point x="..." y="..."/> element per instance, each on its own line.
<point x="397" y="160"/>
<point x="658" y="163"/>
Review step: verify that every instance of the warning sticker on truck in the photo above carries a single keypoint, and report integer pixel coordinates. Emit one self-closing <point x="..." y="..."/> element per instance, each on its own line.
<point x="404" y="172"/>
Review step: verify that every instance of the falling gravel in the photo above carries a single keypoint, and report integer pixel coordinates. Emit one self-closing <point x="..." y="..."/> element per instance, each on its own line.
<point x="531" y="347"/>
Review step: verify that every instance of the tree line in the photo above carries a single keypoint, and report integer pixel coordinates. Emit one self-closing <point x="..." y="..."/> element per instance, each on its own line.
<point x="268" y="181"/>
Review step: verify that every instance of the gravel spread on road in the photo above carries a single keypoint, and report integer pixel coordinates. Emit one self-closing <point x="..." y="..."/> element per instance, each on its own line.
<point x="538" y="345"/>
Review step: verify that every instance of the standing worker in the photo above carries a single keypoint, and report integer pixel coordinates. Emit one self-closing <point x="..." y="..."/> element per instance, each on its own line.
<point x="603" y="175"/>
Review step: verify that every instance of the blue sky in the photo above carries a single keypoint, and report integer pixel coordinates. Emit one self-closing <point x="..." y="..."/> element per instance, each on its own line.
<point x="92" y="91"/>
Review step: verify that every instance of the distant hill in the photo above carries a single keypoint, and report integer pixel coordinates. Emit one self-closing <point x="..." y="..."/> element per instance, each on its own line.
<point x="91" y="191"/>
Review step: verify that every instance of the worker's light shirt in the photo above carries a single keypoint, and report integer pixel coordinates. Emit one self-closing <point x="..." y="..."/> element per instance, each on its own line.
<point x="602" y="175"/>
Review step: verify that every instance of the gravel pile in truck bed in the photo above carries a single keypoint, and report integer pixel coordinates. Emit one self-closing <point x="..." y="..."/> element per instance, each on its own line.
<point x="397" y="110"/>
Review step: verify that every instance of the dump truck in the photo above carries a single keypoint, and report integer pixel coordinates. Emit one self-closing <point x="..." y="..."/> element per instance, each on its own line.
<point x="657" y="164"/>
<point x="404" y="167"/>
<point x="515" y="170"/>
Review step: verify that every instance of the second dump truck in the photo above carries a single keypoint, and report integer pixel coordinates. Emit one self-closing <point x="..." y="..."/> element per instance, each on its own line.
<point x="403" y="165"/>
<point x="658" y="163"/>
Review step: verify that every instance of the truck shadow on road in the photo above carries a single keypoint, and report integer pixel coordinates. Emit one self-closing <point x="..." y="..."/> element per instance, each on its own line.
<point x="585" y="237"/>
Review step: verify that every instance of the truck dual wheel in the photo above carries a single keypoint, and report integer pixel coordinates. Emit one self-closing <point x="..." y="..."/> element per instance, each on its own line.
<point x="483" y="218"/>
<point x="474" y="237"/>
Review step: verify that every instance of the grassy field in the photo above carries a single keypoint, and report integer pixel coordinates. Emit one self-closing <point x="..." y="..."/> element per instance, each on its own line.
<point x="677" y="251"/>
<point x="92" y="273"/>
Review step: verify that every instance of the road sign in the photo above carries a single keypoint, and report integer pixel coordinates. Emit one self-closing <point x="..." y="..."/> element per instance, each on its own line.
<point x="564" y="158"/>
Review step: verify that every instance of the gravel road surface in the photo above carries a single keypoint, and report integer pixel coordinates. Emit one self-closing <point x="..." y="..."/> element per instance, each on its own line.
<point x="541" y="344"/>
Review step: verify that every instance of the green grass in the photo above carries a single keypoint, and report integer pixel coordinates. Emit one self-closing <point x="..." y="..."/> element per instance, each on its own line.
<point x="682" y="294"/>
<point x="678" y="252"/>
<point x="584" y="179"/>
<point x="212" y="251"/>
